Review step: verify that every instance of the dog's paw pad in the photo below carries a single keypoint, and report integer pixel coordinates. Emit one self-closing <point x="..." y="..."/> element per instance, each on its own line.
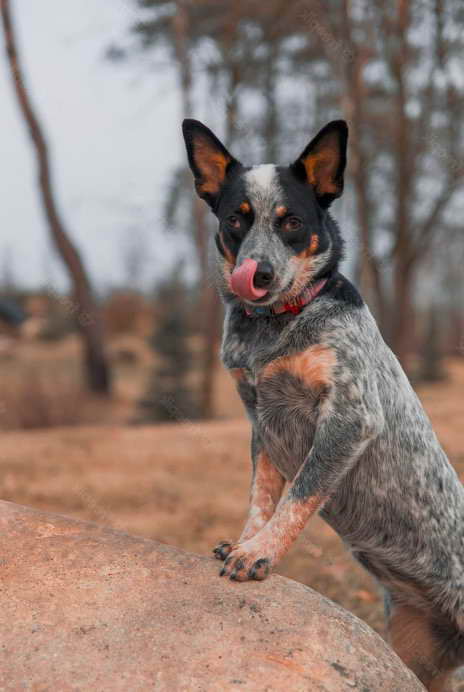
<point x="260" y="569"/>
<point x="239" y="571"/>
<point x="243" y="567"/>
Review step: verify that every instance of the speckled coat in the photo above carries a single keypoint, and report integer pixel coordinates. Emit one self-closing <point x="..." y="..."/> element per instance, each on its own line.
<point x="333" y="415"/>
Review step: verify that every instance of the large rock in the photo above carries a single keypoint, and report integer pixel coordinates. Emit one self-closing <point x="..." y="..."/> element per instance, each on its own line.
<point x="87" y="608"/>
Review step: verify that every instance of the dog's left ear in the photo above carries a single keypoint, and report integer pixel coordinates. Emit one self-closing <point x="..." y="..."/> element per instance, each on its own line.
<point x="208" y="158"/>
<point x="323" y="162"/>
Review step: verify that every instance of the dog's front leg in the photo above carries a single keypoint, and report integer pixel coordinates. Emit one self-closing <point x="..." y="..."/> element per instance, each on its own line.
<point x="338" y="443"/>
<point x="266" y="490"/>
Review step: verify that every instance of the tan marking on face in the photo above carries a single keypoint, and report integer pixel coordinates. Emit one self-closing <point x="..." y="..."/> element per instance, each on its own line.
<point x="303" y="271"/>
<point x="227" y="268"/>
<point x="212" y="165"/>
<point x="281" y="210"/>
<point x="314" y="366"/>
<point x="266" y="491"/>
<point x="312" y="247"/>
<point x="227" y="253"/>
<point x="320" y="168"/>
<point x="245" y="208"/>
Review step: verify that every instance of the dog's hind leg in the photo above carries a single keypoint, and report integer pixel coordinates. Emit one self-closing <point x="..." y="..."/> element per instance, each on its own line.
<point x="432" y="654"/>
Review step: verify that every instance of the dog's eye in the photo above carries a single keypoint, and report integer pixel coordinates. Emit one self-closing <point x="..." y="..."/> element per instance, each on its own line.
<point x="291" y="223"/>
<point x="234" y="222"/>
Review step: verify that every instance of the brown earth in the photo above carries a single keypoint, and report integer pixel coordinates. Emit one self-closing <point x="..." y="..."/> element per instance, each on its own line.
<point x="187" y="484"/>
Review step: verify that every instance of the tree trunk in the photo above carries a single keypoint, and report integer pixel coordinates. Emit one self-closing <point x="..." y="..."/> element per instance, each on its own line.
<point x="370" y="279"/>
<point x="349" y="72"/>
<point x="403" y="310"/>
<point x="209" y="301"/>
<point x="432" y="348"/>
<point x="88" y="317"/>
<point x="210" y="313"/>
<point x="270" y="129"/>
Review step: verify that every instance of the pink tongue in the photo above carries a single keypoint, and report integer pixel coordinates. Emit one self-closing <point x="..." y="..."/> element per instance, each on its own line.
<point x="242" y="281"/>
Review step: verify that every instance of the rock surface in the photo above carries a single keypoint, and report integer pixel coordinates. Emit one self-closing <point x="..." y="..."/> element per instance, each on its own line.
<point x="87" y="608"/>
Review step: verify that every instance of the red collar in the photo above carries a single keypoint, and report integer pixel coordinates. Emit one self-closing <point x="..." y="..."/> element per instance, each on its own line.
<point x="295" y="307"/>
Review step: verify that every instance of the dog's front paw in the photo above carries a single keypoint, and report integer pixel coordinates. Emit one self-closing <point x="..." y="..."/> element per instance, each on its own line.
<point x="245" y="562"/>
<point x="222" y="550"/>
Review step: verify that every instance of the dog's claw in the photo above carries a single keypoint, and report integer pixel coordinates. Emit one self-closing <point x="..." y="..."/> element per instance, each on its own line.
<point x="239" y="566"/>
<point x="222" y="550"/>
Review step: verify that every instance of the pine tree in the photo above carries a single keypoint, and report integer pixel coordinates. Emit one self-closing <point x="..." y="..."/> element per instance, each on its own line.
<point x="169" y="395"/>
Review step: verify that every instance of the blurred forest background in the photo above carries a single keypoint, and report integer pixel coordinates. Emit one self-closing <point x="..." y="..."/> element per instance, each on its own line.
<point x="144" y="349"/>
<point x="271" y="74"/>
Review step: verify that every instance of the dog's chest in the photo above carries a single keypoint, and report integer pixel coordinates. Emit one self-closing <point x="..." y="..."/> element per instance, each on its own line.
<point x="286" y="414"/>
<point x="282" y="406"/>
<point x="250" y="342"/>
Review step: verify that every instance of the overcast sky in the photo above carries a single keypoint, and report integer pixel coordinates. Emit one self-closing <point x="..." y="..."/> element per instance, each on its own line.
<point x="114" y="136"/>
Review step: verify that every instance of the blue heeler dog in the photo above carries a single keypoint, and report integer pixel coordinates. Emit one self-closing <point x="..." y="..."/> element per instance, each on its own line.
<point x="332" y="412"/>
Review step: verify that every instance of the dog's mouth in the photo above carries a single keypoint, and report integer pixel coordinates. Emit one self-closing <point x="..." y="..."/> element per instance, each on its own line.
<point x="275" y="295"/>
<point x="243" y="282"/>
<point x="264" y="300"/>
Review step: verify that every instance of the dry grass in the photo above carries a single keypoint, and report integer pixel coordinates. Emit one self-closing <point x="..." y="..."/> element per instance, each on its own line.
<point x="37" y="400"/>
<point x="188" y="485"/>
<point x="42" y="384"/>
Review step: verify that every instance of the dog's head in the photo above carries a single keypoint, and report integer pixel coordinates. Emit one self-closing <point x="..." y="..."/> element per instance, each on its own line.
<point x="275" y="234"/>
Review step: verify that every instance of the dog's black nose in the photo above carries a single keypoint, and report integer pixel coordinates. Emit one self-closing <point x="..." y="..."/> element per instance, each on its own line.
<point x="263" y="275"/>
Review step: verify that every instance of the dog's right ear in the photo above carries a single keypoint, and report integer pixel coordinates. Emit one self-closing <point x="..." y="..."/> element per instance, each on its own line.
<point x="208" y="158"/>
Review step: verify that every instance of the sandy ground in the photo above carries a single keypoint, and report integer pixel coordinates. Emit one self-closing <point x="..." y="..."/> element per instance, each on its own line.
<point x="187" y="484"/>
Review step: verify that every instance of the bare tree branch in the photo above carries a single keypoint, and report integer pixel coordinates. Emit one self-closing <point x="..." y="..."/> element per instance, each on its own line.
<point x="88" y="317"/>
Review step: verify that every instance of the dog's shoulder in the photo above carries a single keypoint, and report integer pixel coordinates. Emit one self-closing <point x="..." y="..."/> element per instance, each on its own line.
<point x="340" y="317"/>
<point x="343" y="292"/>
